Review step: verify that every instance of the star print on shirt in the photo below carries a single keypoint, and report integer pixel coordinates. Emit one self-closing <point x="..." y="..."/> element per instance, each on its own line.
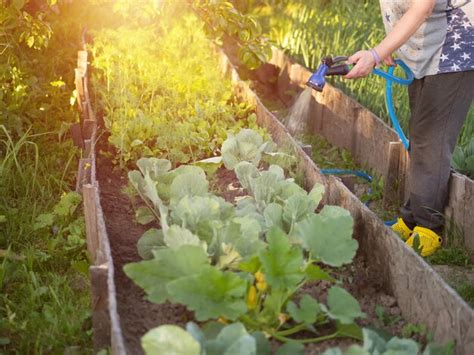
<point x="455" y="46"/>
<point x="387" y="17"/>
<point x="458" y="48"/>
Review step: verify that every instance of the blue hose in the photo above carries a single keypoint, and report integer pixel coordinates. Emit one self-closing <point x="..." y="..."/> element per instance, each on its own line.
<point x="390" y="79"/>
<point x="358" y="173"/>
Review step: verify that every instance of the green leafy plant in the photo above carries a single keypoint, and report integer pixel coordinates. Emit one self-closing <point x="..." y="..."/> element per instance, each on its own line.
<point x="222" y="20"/>
<point x="375" y="344"/>
<point x="237" y="262"/>
<point x="463" y="159"/>
<point x="247" y="145"/>
<point x="154" y="107"/>
<point x="212" y="339"/>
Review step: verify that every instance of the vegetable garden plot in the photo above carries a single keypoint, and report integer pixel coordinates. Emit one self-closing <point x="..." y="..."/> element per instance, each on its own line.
<point x="218" y="259"/>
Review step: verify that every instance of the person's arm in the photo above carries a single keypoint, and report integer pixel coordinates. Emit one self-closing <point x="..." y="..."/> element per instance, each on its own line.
<point x="416" y="15"/>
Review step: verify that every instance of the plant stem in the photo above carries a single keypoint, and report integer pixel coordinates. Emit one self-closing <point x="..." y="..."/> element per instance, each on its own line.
<point x="247" y="319"/>
<point x="305" y="341"/>
<point x="293" y="330"/>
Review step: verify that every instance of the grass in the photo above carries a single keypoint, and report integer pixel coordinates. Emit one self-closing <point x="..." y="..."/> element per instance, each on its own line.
<point x="466" y="291"/>
<point x="453" y="251"/>
<point x="44" y="285"/>
<point x="44" y="302"/>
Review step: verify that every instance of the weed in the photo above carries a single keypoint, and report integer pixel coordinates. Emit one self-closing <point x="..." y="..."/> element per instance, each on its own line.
<point x="385" y="318"/>
<point x="411" y="330"/>
<point x="466" y="291"/>
<point x="453" y="251"/>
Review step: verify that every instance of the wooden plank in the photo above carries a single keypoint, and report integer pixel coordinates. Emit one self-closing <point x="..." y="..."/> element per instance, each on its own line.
<point x="404" y="164"/>
<point x="83" y="173"/>
<point x="82" y="62"/>
<point x="90" y="112"/>
<point x="76" y="134"/>
<point x="100" y="313"/>
<point x="79" y="88"/>
<point x="461" y="212"/>
<point x="90" y="214"/>
<point x="392" y="174"/>
<point x="87" y="147"/>
<point x="88" y="128"/>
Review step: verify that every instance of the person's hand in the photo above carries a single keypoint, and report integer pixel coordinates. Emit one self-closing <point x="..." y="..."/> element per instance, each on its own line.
<point x="364" y="64"/>
<point x="390" y="61"/>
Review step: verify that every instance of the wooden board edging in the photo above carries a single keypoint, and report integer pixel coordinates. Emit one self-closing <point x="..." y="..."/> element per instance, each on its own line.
<point x="106" y="321"/>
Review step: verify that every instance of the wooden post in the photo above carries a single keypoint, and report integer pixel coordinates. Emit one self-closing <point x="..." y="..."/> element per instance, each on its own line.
<point x="403" y="186"/>
<point x="392" y="175"/>
<point x="88" y="128"/>
<point x="79" y="88"/>
<point x="87" y="147"/>
<point x="76" y="134"/>
<point x="90" y="214"/>
<point x="83" y="174"/>
<point x="100" y="311"/>
<point x="82" y="62"/>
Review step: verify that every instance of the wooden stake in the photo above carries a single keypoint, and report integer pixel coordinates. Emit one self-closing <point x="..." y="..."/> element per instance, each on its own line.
<point x="88" y="128"/>
<point x="392" y="175"/>
<point x="82" y="62"/>
<point x="83" y="174"/>
<point x="76" y="134"/>
<point x="87" y="147"/>
<point x="90" y="214"/>
<point x="100" y="311"/>
<point x="403" y="186"/>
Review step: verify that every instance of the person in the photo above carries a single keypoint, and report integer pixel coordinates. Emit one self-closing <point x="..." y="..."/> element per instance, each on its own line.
<point x="435" y="38"/>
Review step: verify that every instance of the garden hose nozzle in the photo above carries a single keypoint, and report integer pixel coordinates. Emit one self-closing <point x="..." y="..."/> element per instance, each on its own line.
<point x="329" y="66"/>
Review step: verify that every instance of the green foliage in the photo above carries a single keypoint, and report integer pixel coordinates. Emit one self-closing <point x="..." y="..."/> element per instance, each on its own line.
<point x="154" y="107"/>
<point x="167" y="265"/>
<point x="235" y="261"/>
<point x="342" y="306"/>
<point x="247" y="145"/>
<point x="169" y="339"/>
<point x="223" y="21"/>
<point x="212" y="339"/>
<point x="44" y="302"/>
<point x="307" y="312"/>
<point x="466" y="291"/>
<point x="376" y="344"/>
<point x="281" y="264"/>
<point x="211" y="294"/>
<point x="328" y="235"/>
<point x="463" y="159"/>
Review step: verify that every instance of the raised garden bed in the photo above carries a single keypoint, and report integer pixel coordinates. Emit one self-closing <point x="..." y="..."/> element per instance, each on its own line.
<point x="384" y="265"/>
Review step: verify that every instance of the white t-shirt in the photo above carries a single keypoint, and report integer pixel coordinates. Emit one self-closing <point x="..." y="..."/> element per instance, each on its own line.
<point x="443" y="44"/>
